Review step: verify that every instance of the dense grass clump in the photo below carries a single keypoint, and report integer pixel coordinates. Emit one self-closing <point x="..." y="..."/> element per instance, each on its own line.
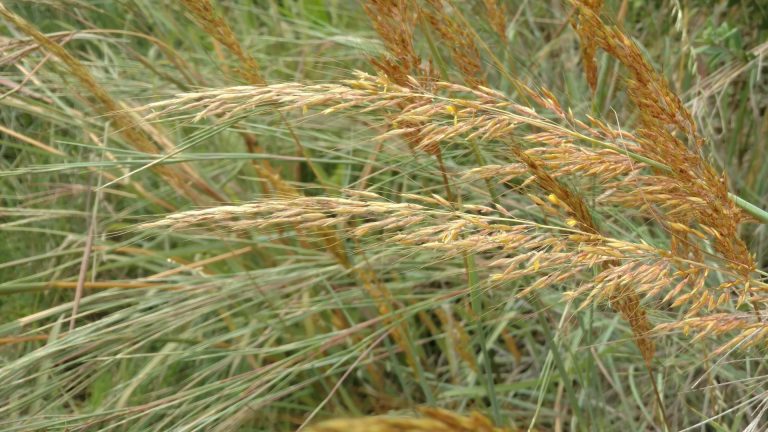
<point x="390" y="215"/>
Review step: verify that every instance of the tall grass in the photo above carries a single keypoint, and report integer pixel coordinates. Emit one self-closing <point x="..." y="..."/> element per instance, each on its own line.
<point x="331" y="216"/>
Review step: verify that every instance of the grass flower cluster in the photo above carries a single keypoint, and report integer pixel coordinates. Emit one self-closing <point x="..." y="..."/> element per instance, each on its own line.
<point x="387" y="215"/>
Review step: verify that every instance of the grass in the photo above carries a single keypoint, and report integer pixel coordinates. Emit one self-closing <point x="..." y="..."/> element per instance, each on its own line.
<point x="404" y="215"/>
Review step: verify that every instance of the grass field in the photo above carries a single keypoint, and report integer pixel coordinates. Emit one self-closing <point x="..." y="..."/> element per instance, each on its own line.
<point x="383" y="215"/>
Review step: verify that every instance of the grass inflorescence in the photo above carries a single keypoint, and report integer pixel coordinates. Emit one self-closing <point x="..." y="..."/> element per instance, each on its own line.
<point x="386" y="215"/>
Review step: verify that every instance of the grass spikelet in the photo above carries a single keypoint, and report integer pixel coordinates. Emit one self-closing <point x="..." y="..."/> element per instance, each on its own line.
<point x="624" y="298"/>
<point x="587" y="38"/>
<point x="496" y="15"/>
<point x="745" y="330"/>
<point x="624" y="270"/>
<point x="460" y="42"/>
<point x="432" y="420"/>
<point x="217" y="27"/>
<point x="649" y="90"/>
<point x="395" y="22"/>
<point x="691" y="194"/>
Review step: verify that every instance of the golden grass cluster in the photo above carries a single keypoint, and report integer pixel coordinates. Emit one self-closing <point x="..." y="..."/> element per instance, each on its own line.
<point x="568" y="169"/>
<point x="432" y="420"/>
<point x="656" y="171"/>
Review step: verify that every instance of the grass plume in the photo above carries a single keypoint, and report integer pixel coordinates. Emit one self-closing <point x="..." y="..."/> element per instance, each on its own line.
<point x="496" y="212"/>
